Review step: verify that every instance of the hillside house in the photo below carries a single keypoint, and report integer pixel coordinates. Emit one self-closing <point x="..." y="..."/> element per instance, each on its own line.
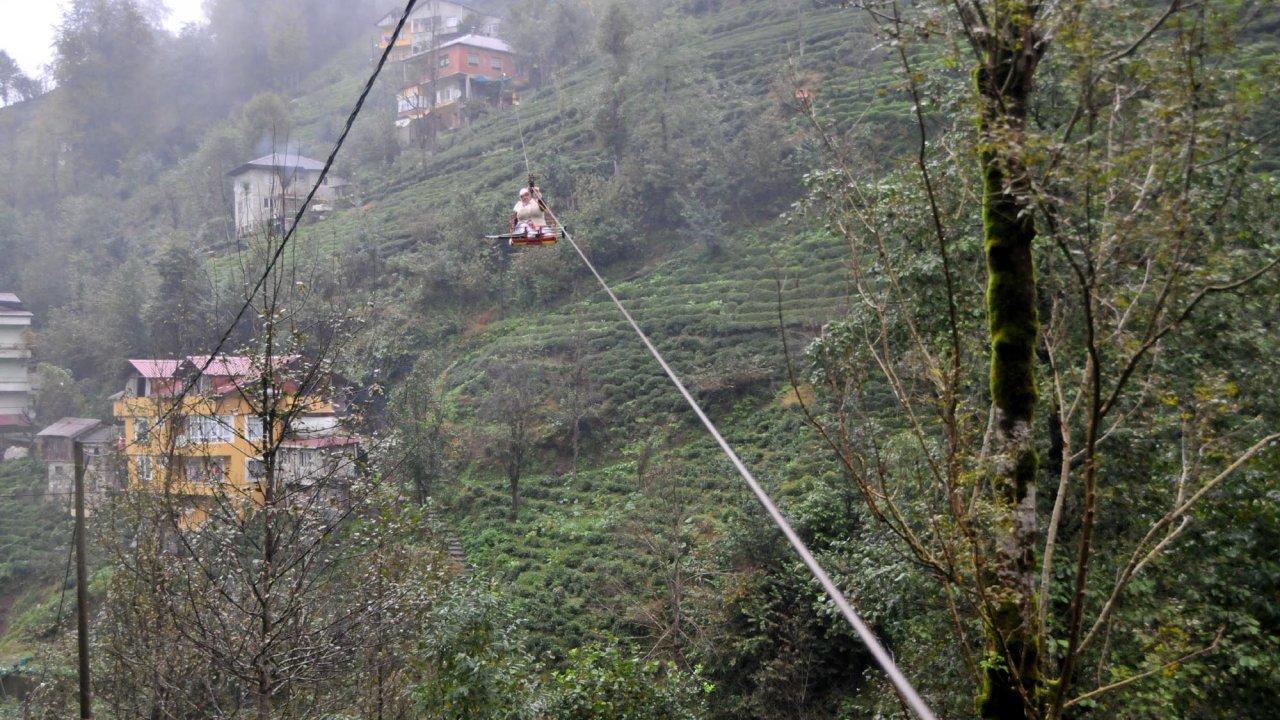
<point x="212" y="442"/>
<point x="465" y="73"/>
<point x="16" y="392"/>
<point x="433" y="22"/>
<point x="55" y="447"/>
<point x="269" y="190"/>
<point x="452" y="66"/>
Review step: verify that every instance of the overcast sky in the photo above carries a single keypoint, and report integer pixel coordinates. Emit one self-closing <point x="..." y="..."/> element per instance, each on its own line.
<point x="26" y="27"/>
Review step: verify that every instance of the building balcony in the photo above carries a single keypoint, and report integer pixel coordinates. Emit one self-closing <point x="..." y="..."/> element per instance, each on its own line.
<point x="14" y="351"/>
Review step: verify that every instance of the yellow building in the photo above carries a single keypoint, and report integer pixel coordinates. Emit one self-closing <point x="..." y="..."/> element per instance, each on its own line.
<point x="211" y="441"/>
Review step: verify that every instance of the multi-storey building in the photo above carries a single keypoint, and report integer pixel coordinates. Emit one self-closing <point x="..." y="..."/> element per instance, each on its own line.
<point x="16" y="398"/>
<point x="452" y="66"/>
<point x="211" y="441"/>
<point x="432" y="23"/>
<point x="465" y="73"/>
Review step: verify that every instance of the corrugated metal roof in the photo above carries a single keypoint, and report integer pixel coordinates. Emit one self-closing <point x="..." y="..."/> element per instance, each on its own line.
<point x="283" y="161"/>
<point x="222" y="365"/>
<point x="70" y="427"/>
<point x="104" y="434"/>
<point x="10" y="420"/>
<point x="149" y="368"/>
<point x="480" y="41"/>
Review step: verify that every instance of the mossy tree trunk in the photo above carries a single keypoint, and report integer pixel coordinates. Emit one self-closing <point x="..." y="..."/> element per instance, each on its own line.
<point x="1010" y="51"/>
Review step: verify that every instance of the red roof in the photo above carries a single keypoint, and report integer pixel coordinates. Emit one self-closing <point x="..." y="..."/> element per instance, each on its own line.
<point x="7" y="420"/>
<point x="155" y="368"/>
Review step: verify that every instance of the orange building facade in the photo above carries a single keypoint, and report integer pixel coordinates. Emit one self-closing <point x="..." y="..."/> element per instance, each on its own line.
<point x="211" y="441"/>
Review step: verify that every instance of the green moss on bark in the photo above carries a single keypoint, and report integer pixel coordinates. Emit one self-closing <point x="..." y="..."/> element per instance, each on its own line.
<point x="1011" y="683"/>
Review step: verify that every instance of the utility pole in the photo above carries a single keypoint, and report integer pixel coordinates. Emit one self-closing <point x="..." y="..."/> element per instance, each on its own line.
<point x="82" y="590"/>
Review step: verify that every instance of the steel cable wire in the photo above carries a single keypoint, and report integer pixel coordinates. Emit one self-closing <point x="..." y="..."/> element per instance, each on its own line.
<point x="882" y="657"/>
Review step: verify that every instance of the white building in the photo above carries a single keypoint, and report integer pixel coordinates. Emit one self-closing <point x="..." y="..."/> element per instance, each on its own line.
<point x="433" y="22"/>
<point x="16" y="399"/>
<point x="269" y="190"/>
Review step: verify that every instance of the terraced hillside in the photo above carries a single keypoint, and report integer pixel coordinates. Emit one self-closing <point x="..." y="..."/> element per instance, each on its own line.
<point x="711" y="304"/>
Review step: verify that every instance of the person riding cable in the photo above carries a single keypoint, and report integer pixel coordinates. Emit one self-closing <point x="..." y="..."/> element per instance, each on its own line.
<point x="528" y="216"/>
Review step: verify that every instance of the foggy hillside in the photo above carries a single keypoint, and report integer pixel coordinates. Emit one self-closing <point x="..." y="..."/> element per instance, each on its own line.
<point x="983" y="293"/>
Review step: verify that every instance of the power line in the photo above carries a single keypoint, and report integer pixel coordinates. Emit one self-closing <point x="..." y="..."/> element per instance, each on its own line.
<point x="882" y="657"/>
<point x="302" y="209"/>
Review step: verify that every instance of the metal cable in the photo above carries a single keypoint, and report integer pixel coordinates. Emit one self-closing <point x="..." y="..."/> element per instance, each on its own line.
<point x="297" y="218"/>
<point x="882" y="657"/>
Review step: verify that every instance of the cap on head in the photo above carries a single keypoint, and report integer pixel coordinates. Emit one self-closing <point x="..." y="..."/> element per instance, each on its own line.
<point x="524" y="191"/>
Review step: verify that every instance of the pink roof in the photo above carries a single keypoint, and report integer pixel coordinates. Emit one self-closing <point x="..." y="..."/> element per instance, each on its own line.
<point x="222" y="365"/>
<point x="155" y="368"/>
<point x="7" y="420"/>
<point x="234" y="366"/>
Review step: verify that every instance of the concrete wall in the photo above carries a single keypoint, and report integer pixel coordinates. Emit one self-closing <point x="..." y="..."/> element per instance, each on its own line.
<point x="263" y="195"/>
<point x="15" y="365"/>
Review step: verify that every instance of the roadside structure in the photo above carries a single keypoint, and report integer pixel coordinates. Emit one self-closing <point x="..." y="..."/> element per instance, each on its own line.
<point x="268" y="191"/>
<point x="55" y="447"/>
<point x="16" y="392"/>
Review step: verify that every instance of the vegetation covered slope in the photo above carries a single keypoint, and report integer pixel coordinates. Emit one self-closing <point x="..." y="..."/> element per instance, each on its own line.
<point x="670" y="155"/>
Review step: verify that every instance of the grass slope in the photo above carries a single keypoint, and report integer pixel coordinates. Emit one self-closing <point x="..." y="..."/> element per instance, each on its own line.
<point x="572" y="559"/>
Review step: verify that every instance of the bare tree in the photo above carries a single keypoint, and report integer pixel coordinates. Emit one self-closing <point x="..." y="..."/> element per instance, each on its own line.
<point x="580" y="394"/>
<point x="257" y="577"/>
<point x="419" y="412"/>
<point x="515" y="405"/>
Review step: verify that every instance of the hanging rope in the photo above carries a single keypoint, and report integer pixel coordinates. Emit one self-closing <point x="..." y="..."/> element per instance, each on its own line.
<point x="520" y="127"/>
<point x="882" y="658"/>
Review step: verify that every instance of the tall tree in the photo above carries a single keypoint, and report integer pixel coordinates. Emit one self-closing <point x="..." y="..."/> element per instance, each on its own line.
<point x="1093" y="132"/>
<point x="514" y="405"/>
<point x="14" y="84"/>
<point x="1009" y="40"/>
<point x="105" y="71"/>
<point x="179" y="313"/>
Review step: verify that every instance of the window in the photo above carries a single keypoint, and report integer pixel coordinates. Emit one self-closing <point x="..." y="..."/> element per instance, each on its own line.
<point x="255" y="468"/>
<point x="473" y="59"/>
<point x="140" y="387"/>
<point x="253" y="428"/>
<point x="451" y="23"/>
<point x="266" y="202"/>
<point x="203" y="430"/>
<point x="444" y="61"/>
<point x="206" y="470"/>
<point x="142" y="469"/>
<point x="142" y="430"/>
<point x="496" y="63"/>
